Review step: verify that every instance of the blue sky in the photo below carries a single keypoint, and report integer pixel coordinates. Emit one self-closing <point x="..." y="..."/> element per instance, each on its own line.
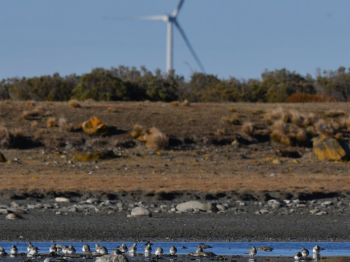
<point x="231" y="38"/>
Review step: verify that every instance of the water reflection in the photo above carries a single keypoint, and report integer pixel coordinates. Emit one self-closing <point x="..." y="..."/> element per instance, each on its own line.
<point x="251" y="259"/>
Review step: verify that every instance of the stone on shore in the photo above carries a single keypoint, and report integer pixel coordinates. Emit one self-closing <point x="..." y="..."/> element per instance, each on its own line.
<point x="329" y="148"/>
<point x="196" y="205"/>
<point x="62" y="200"/>
<point x="140" y="212"/>
<point x="112" y="258"/>
<point x="13" y="216"/>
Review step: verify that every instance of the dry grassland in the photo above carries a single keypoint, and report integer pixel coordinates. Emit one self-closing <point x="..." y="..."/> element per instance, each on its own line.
<point x="205" y="161"/>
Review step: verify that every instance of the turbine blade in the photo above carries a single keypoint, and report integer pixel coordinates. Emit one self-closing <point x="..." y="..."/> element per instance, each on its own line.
<point x="176" y="11"/>
<point x="189" y="45"/>
<point x="153" y="17"/>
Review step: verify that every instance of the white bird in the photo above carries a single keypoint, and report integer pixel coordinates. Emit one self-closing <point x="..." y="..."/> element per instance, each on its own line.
<point x="97" y="248"/>
<point x="2" y="251"/>
<point x="13" y="250"/>
<point x="159" y="251"/>
<point x="172" y="250"/>
<point x="199" y="249"/>
<point x="133" y="248"/>
<point x="86" y="248"/>
<point x="30" y="246"/>
<point x="316" y="249"/>
<point x="33" y="251"/>
<point x="297" y="256"/>
<point x="148" y="249"/>
<point x="71" y="250"/>
<point x="123" y="248"/>
<point x="252" y="252"/>
<point x="103" y="250"/>
<point x="53" y="249"/>
<point x="64" y="249"/>
<point x="304" y="252"/>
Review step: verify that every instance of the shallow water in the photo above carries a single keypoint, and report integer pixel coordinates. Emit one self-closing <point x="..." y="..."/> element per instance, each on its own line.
<point x="220" y="248"/>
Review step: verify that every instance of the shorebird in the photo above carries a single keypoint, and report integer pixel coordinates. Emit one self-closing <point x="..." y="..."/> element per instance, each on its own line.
<point x="252" y="251"/>
<point x="13" y="250"/>
<point x="172" y="250"/>
<point x="103" y="250"/>
<point x="71" y="250"/>
<point x="53" y="249"/>
<point x="148" y="249"/>
<point x="86" y="248"/>
<point x="30" y="246"/>
<point x="199" y="249"/>
<point x="33" y="251"/>
<point x="316" y="249"/>
<point x="97" y="248"/>
<point x="123" y="248"/>
<point x="116" y="252"/>
<point x="304" y="252"/>
<point x="159" y="251"/>
<point x="204" y="246"/>
<point x="133" y="248"/>
<point x="297" y="256"/>
<point x="63" y="248"/>
<point x="2" y="251"/>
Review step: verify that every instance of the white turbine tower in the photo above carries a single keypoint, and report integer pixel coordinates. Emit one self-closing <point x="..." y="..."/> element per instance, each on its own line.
<point x="171" y="20"/>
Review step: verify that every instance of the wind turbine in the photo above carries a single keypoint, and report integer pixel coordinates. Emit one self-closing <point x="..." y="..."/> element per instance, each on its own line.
<point x="172" y="20"/>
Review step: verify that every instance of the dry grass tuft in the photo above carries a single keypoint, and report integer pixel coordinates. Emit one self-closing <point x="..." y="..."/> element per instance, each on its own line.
<point x="323" y="127"/>
<point x="37" y="138"/>
<point x="112" y="109"/>
<point x="7" y="102"/>
<point x="234" y="120"/>
<point x="248" y="128"/>
<point x="48" y="113"/>
<point x="52" y="122"/>
<point x="232" y="109"/>
<point x="186" y="103"/>
<point x="299" y="119"/>
<point x="335" y="113"/>
<point x="90" y="100"/>
<point x="221" y="132"/>
<point x="175" y="103"/>
<point x="157" y="140"/>
<point x="65" y="125"/>
<point x="29" y="114"/>
<point x="35" y="124"/>
<point x="138" y="130"/>
<point x="279" y="133"/>
<point x="17" y="133"/>
<point x="43" y="131"/>
<point x="74" y="103"/>
<point x="30" y="103"/>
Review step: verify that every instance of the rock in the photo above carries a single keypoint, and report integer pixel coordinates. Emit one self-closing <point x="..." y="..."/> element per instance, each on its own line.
<point x="274" y="203"/>
<point x="94" y="127"/>
<point x="3" y="211"/>
<point x="263" y="211"/>
<point x="89" y="156"/>
<point x="321" y="213"/>
<point x="327" y="147"/>
<point x="62" y="200"/>
<point x="327" y="203"/>
<point x="276" y="161"/>
<point x="13" y="216"/>
<point x="221" y="207"/>
<point x="288" y="153"/>
<point x="140" y="211"/>
<point x="192" y="205"/>
<point x="112" y="258"/>
<point x="2" y="158"/>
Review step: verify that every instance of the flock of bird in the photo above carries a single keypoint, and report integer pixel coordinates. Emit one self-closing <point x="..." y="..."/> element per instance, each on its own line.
<point x="303" y="255"/>
<point x="122" y="249"/>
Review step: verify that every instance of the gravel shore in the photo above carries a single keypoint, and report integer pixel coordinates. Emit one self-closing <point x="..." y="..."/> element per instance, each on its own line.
<point x="109" y="220"/>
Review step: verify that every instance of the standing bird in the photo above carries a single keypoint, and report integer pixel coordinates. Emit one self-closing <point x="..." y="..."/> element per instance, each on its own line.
<point x="33" y="252"/>
<point x="97" y="248"/>
<point x="304" y="252"/>
<point x="116" y="252"/>
<point x="30" y="246"/>
<point x="53" y="249"/>
<point x="71" y="250"/>
<point x="172" y="250"/>
<point x="123" y="248"/>
<point x="86" y="248"/>
<point x="133" y="248"/>
<point x="2" y="251"/>
<point x="148" y="249"/>
<point x="297" y="256"/>
<point x="252" y="252"/>
<point x="316" y="249"/>
<point x="13" y="250"/>
<point x="103" y="250"/>
<point x="199" y="249"/>
<point x="159" y="251"/>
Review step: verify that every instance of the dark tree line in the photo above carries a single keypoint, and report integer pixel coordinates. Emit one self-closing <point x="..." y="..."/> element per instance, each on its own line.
<point x="130" y="84"/>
